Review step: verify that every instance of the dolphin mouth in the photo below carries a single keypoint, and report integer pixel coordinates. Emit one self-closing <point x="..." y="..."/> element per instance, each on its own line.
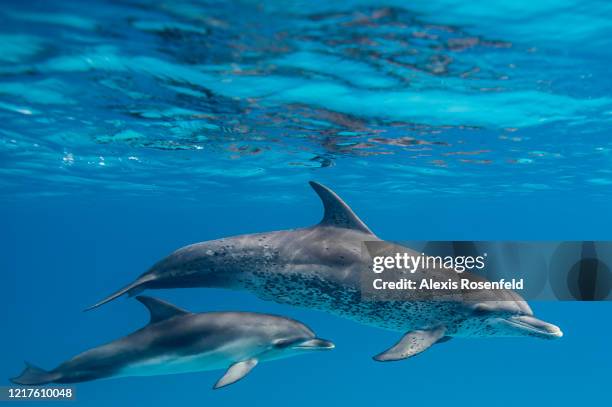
<point x="535" y="327"/>
<point x="315" y="344"/>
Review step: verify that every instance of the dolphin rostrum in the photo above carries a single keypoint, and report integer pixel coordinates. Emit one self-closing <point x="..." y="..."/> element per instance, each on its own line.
<point x="178" y="341"/>
<point x="320" y="267"/>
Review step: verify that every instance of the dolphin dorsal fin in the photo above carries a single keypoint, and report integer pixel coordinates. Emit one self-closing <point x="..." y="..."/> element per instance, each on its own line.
<point x="159" y="309"/>
<point x="337" y="212"/>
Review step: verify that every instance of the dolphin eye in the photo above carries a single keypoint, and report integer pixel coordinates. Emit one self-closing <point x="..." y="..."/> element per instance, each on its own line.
<point x="480" y="312"/>
<point x="481" y="309"/>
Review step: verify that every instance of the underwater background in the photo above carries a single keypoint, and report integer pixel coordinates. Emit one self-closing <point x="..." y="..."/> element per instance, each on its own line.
<point x="129" y="129"/>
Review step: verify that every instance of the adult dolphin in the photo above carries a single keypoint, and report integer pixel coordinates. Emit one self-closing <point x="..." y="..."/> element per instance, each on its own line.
<point x="321" y="267"/>
<point x="178" y="341"/>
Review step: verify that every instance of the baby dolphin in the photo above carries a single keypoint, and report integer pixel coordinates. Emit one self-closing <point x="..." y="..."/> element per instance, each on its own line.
<point x="178" y="341"/>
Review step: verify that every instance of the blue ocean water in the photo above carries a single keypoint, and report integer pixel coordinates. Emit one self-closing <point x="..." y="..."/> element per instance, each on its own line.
<point x="131" y="128"/>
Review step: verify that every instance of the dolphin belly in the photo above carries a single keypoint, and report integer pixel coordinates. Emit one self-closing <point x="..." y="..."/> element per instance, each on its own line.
<point x="344" y="300"/>
<point x="166" y="365"/>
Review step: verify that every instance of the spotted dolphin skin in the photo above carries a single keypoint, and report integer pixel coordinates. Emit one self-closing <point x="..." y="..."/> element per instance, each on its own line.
<point x="178" y="341"/>
<point x="320" y="267"/>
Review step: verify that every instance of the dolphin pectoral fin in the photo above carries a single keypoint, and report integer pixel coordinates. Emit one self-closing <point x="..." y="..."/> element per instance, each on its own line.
<point x="444" y="339"/>
<point x="411" y="344"/>
<point x="236" y="372"/>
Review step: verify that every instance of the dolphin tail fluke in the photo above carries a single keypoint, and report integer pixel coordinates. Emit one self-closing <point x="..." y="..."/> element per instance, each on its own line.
<point x="131" y="289"/>
<point x="33" y="375"/>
